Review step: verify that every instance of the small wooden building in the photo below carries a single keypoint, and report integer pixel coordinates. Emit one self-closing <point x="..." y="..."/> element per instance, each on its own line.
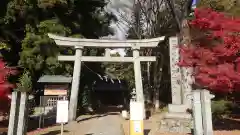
<point x="54" y="86"/>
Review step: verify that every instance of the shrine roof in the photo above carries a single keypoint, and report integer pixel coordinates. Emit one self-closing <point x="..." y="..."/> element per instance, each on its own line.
<point x="54" y="79"/>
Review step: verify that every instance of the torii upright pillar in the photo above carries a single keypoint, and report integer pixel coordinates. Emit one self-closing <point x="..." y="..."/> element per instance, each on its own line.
<point x="75" y="84"/>
<point x="138" y="76"/>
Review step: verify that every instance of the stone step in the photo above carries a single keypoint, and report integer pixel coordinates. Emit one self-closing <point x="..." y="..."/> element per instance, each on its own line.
<point x="177" y="115"/>
<point x="174" y="108"/>
<point x="175" y="125"/>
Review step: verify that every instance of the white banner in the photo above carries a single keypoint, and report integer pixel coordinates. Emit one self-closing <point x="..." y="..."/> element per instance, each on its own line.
<point x="62" y="111"/>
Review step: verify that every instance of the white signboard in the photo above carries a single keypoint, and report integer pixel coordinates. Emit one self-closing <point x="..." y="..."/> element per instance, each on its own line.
<point x="62" y="111"/>
<point x="136" y="110"/>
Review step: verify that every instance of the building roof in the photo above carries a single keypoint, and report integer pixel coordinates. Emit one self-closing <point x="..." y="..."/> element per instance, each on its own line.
<point x="54" y="79"/>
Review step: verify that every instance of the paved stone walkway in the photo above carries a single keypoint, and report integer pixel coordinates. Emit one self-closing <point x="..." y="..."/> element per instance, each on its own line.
<point x="106" y="125"/>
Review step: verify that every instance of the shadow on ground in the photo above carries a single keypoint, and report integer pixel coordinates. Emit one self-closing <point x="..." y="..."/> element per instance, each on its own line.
<point x="33" y="123"/>
<point x="3" y="127"/>
<point x="146" y="131"/>
<point x="48" y="120"/>
<point x="55" y="132"/>
<point x="97" y="116"/>
<point x="232" y="123"/>
<point x="101" y="112"/>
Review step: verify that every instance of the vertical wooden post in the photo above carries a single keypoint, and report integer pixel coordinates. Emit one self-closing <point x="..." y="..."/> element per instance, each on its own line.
<point x="14" y="110"/>
<point x="41" y="110"/>
<point x="206" y="112"/>
<point x="23" y="112"/>
<point x="197" y="113"/>
<point x="75" y="84"/>
<point x="62" y="128"/>
<point x="138" y="76"/>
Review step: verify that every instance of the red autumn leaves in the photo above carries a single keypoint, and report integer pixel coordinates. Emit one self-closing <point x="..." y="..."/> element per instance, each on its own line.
<point x="214" y="51"/>
<point x="5" y="86"/>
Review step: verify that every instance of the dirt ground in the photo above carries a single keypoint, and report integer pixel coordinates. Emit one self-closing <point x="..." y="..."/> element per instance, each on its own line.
<point x="223" y="127"/>
<point x="150" y="126"/>
<point x="83" y="126"/>
<point x="215" y="133"/>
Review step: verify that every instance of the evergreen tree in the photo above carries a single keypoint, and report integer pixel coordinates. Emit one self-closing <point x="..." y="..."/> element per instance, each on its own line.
<point x="24" y="25"/>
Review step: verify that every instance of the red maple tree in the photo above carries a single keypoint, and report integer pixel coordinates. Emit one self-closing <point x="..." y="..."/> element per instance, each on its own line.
<point x="5" y="86"/>
<point x="214" y="52"/>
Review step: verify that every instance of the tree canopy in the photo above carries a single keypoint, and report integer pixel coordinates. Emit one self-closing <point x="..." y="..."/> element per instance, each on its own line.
<point x="5" y="85"/>
<point x="24" y="25"/>
<point x="214" y="51"/>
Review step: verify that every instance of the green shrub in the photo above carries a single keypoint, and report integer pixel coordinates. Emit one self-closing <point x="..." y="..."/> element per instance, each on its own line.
<point x="25" y="82"/>
<point x="25" y="85"/>
<point x="221" y="108"/>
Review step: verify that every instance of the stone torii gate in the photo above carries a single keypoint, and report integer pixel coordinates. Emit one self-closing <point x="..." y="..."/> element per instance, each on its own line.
<point x="79" y="44"/>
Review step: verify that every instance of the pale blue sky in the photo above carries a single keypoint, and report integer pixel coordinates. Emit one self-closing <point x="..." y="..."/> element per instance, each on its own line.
<point x="121" y="8"/>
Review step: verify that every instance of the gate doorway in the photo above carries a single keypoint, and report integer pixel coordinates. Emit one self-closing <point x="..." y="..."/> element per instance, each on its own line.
<point x="111" y="95"/>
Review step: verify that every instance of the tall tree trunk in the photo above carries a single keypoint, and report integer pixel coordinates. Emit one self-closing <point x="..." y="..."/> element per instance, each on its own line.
<point x="157" y="80"/>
